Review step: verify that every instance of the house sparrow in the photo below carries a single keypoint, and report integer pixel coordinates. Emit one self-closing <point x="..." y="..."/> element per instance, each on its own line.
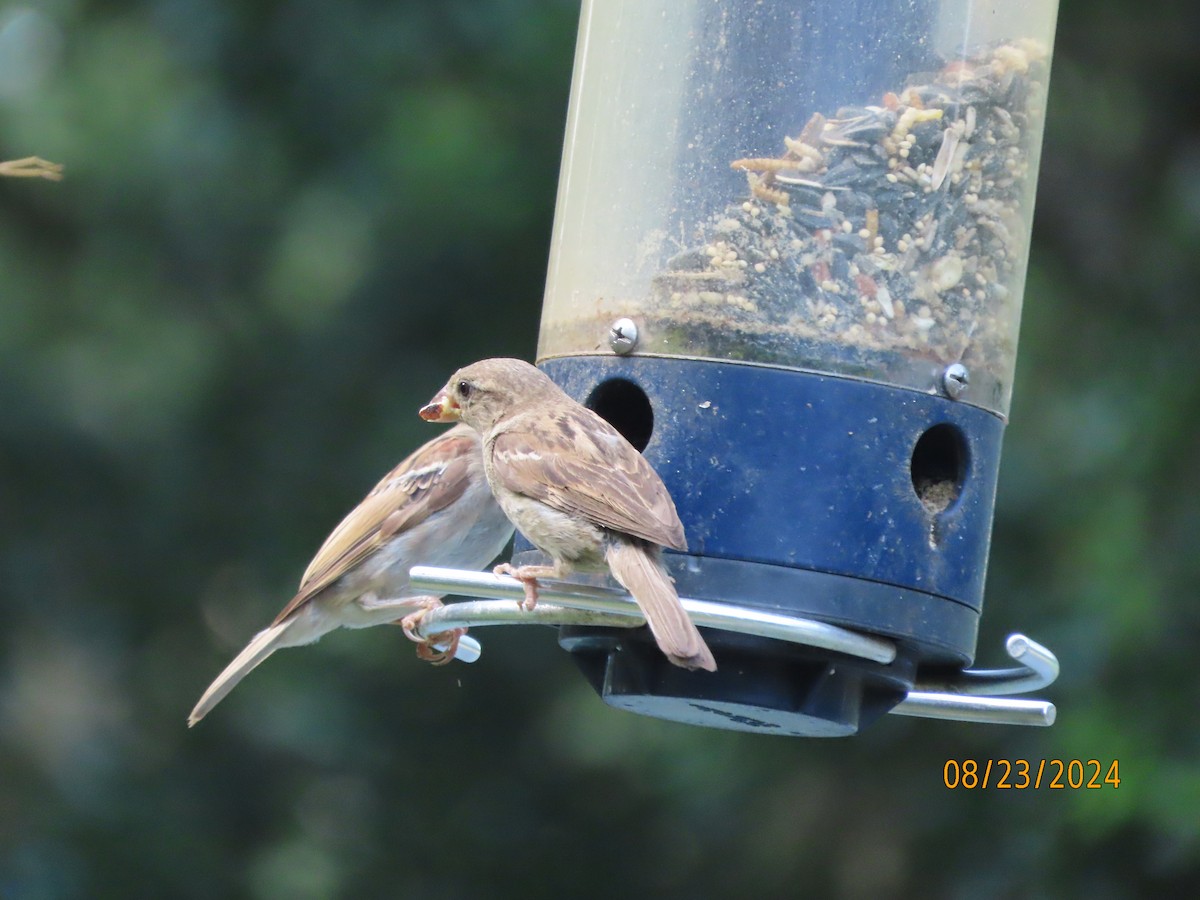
<point x="434" y="509"/>
<point x="576" y="489"/>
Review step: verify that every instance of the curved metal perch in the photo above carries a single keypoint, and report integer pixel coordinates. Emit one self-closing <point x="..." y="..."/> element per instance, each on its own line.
<point x="1039" y="668"/>
<point x="967" y="696"/>
<point x="622" y="611"/>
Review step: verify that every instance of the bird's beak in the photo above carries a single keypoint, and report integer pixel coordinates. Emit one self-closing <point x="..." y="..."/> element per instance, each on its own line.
<point x="442" y="408"/>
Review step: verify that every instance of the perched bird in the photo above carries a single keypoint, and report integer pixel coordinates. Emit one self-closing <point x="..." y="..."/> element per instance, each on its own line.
<point x="576" y="489"/>
<point x="434" y="509"/>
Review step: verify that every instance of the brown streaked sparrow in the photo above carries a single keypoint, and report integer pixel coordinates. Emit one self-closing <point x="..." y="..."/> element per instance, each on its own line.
<point x="577" y="489"/>
<point x="434" y="509"/>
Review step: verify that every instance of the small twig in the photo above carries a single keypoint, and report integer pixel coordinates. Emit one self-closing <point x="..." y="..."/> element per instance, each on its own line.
<point x="32" y="167"/>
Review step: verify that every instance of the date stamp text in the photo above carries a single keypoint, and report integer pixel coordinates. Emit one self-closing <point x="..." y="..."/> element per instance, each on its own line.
<point x="1031" y="774"/>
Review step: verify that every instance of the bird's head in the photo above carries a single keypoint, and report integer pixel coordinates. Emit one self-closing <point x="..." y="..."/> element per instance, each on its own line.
<point x="485" y="392"/>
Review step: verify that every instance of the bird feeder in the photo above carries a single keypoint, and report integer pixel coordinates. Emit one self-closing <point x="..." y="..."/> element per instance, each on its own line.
<point x="788" y="264"/>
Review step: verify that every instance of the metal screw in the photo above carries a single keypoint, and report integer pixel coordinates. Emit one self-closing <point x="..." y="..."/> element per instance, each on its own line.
<point x="955" y="380"/>
<point x="623" y="336"/>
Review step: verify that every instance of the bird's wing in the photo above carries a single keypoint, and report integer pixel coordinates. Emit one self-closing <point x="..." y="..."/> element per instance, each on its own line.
<point x="430" y="479"/>
<point x="575" y="462"/>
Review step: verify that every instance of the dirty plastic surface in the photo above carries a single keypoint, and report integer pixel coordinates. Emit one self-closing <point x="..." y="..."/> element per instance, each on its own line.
<point x="840" y="188"/>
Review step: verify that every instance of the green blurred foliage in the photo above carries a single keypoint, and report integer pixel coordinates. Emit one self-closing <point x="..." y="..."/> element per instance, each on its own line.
<point x="283" y="224"/>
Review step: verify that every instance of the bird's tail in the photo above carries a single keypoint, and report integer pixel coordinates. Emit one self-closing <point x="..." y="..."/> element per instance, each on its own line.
<point x="639" y="569"/>
<point x="260" y="647"/>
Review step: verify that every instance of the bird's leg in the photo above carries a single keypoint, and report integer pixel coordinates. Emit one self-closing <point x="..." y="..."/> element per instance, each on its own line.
<point x="427" y="646"/>
<point x="528" y="576"/>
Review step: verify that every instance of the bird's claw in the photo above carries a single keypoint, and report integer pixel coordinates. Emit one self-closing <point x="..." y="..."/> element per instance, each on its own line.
<point x="437" y="649"/>
<point x="428" y="650"/>
<point x="528" y="581"/>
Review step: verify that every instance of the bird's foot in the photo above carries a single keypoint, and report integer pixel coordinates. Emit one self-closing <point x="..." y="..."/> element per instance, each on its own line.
<point x="441" y="647"/>
<point x="528" y="576"/>
<point x="438" y="648"/>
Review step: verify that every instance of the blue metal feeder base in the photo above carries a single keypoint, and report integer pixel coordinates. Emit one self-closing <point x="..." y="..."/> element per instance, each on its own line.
<point x="845" y="501"/>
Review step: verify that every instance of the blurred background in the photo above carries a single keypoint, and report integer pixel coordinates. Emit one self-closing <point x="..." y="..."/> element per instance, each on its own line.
<point x="283" y="224"/>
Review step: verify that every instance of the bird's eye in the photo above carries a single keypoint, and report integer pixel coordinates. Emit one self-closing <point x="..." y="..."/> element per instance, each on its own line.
<point x="464" y="389"/>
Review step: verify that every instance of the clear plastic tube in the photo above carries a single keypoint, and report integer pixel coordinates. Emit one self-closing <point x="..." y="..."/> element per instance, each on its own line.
<point x="833" y="186"/>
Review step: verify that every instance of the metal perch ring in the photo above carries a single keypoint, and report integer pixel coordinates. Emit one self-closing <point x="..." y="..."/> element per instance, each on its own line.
<point x="968" y="696"/>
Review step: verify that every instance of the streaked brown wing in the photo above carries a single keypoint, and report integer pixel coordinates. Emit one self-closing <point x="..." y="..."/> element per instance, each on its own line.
<point x="430" y="479"/>
<point x="575" y="462"/>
